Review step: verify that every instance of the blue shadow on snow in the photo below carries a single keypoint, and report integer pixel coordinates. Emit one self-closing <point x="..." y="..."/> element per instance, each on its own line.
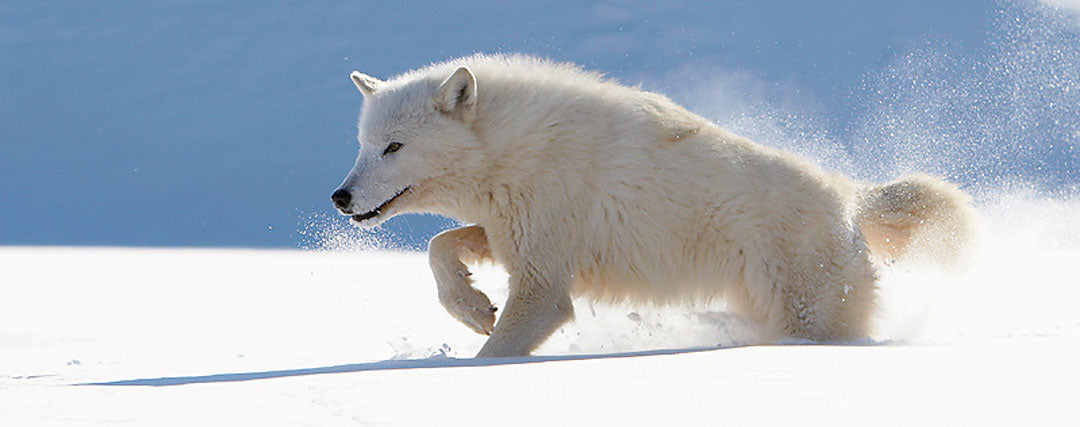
<point x="386" y="365"/>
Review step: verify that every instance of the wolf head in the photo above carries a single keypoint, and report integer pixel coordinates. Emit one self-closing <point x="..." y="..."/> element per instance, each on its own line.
<point x="416" y="145"/>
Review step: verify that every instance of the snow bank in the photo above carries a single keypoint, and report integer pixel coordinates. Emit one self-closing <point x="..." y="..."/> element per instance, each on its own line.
<point x="318" y="338"/>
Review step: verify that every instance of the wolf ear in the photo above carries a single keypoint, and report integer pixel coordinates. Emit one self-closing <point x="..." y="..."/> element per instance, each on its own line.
<point x="457" y="95"/>
<point x="367" y="84"/>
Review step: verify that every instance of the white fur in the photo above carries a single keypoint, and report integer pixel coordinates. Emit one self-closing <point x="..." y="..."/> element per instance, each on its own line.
<point x="578" y="185"/>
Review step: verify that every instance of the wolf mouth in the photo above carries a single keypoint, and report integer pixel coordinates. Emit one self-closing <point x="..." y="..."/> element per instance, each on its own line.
<point x="379" y="210"/>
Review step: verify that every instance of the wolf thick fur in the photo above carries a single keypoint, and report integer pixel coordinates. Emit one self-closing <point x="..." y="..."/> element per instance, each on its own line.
<point x="578" y="185"/>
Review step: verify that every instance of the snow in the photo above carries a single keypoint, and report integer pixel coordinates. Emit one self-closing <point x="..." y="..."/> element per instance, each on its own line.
<point x="96" y="336"/>
<point x="813" y="385"/>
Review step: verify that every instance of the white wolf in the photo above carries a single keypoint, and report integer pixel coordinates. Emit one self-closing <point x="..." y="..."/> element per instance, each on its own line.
<point x="578" y="185"/>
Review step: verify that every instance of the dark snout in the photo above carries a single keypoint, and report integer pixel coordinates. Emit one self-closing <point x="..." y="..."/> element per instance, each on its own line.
<point x="341" y="199"/>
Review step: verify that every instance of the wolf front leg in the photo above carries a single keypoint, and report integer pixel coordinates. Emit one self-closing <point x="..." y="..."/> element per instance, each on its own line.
<point x="537" y="306"/>
<point x="447" y="253"/>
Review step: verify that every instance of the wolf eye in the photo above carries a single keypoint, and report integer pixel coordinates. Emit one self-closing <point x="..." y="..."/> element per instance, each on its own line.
<point x="394" y="146"/>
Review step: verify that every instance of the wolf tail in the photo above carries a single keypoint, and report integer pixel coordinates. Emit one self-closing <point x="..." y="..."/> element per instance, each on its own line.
<point x="918" y="216"/>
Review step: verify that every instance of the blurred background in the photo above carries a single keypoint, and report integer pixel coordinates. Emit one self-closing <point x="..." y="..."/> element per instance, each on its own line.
<point x="228" y="124"/>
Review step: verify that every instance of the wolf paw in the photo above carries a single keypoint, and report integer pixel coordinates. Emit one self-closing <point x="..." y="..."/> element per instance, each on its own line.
<point x="472" y="308"/>
<point x="465" y="303"/>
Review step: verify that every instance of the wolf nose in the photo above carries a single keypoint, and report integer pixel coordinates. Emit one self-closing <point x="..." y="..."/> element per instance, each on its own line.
<point x="341" y="198"/>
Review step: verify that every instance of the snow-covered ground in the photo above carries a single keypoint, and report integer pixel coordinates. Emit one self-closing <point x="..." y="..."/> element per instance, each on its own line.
<point x="261" y="337"/>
